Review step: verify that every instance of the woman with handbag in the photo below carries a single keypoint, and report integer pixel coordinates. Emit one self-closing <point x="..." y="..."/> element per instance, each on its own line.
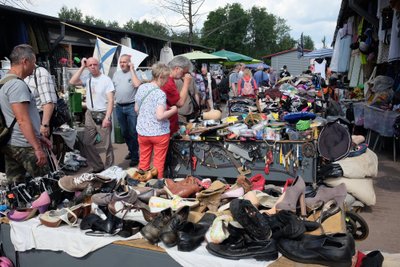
<point x="152" y="123"/>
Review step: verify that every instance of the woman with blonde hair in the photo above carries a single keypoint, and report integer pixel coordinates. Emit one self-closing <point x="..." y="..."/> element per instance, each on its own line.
<point x="152" y="123"/>
<point x="247" y="86"/>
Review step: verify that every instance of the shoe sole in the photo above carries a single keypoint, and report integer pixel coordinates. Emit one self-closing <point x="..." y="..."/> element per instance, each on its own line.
<point x="258" y="257"/>
<point x="63" y="188"/>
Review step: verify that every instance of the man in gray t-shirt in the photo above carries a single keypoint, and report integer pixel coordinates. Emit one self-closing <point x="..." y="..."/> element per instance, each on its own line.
<point x="24" y="152"/>
<point x="126" y="83"/>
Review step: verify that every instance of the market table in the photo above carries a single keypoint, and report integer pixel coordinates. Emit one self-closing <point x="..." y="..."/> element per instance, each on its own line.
<point x="219" y="158"/>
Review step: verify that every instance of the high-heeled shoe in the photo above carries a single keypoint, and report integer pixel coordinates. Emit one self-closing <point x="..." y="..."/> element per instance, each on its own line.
<point x="42" y="202"/>
<point x="324" y="194"/>
<point x="289" y="199"/>
<point x="22" y="214"/>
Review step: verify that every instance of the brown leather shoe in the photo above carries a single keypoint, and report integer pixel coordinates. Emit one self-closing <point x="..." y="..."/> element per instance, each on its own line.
<point x="181" y="188"/>
<point x="142" y="176"/>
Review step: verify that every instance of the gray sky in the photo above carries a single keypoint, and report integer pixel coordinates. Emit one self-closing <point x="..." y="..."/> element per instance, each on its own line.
<point x="316" y="18"/>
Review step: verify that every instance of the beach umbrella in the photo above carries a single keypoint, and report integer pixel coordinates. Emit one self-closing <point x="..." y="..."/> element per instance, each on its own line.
<point x="232" y="56"/>
<point x="198" y="55"/>
<point x="323" y="52"/>
<point x="256" y="65"/>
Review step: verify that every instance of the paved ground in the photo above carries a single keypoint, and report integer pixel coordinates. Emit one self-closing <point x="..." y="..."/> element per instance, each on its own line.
<point x="383" y="218"/>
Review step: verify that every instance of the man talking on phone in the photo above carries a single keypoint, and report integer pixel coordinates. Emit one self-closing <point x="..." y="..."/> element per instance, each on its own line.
<point x="126" y="83"/>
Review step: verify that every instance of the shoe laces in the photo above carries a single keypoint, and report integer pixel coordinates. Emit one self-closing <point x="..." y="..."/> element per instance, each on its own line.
<point x="86" y="177"/>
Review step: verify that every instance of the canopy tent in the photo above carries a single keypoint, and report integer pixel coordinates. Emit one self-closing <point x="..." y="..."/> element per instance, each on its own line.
<point x="256" y="65"/>
<point x="198" y="55"/>
<point x="232" y="56"/>
<point x="323" y="52"/>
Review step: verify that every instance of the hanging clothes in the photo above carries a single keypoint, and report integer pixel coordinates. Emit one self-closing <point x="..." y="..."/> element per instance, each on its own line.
<point x="341" y="52"/>
<point x="394" y="49"/>
<point x="166" y="54"/>
<point x="320" y="68"/>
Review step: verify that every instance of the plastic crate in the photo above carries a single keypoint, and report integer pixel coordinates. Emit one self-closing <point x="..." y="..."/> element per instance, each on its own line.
<point x="358" y="109"/>
<point x="379" y="120"/>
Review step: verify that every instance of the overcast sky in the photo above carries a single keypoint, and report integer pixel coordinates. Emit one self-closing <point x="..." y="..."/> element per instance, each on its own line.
<point x="316" y="18"/>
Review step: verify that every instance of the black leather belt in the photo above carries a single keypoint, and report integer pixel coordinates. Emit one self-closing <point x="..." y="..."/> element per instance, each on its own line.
<point x="125" y="104"/>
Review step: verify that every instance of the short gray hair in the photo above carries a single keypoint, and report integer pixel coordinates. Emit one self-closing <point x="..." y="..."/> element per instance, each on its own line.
<point x="180" y="61"/>
<point x="20" y="52"/>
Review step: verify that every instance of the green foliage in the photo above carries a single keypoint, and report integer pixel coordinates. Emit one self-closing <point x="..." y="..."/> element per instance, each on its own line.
<point x="254" y="32"/>
<point x="308" y="42"/>
<point x="72" y="14"/>
<point x="147" y="27"/>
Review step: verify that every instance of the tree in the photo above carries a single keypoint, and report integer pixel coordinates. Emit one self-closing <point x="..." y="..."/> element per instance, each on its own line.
<point x="16" y="3"/>
<point x="188" y="9"/>
<point x="73" y="14"/>
<point x="260" y="35"/>
<point x="308" y="42"/>
<point x="146" y="27"/>
<point x="324" y="42"/>
<point x="226" y="28"/>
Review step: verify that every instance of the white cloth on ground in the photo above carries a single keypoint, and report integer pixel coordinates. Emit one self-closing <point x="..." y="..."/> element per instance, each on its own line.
<point x="364" y="165"/>
<point x="114" y="173"/>
<point x="31" y="234"/>
<point x="201" y="257"/>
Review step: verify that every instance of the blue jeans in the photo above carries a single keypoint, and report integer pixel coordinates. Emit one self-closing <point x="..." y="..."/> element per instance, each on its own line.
<point x="127" y="118"/>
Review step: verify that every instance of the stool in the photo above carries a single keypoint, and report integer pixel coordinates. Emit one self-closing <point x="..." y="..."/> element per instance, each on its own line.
<point x="395" y="141"/>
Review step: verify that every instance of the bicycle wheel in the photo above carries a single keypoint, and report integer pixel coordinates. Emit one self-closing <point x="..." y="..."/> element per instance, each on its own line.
<point x="356" y="225"/>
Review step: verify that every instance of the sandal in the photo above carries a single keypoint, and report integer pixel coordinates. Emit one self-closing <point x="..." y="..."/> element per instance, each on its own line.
<point x="54" y="218"/>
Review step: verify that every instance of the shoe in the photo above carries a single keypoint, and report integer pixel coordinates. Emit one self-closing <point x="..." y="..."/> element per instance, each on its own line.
<point x="184" y="188"/>
<point x="54" y="218"/>
<point x="373" y="259"/>
<point x="334" y="250"/>
<point x="239" y="245"/>
<point x="128" y="156"/>
<point x="152" y="230"/>
<point x="286" y="224"/>
<point x="142" y="176"/>
<point x="289" y="199"/>
<point x="130" y="228"/>
<point x="168" y="234"/>
<point x="256" y="224"/>
<point x="42" y="202"/>
<point x="324" y="194"/>
<point x="79" y="183"/>
<point x="211" y="197"/>
<point x="257" y="182"/>
<point x="22" y="214"/>
<point x="191" y="235"/>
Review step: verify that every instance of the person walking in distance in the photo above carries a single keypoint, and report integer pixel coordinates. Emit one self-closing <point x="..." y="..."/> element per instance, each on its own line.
<point x="126" y="83"/>
<point x="100" y="102"/>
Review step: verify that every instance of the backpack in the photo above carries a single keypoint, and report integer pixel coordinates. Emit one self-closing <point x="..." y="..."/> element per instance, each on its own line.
<point x="196" y="108"/>
<point x="5" y="132"/>
<point x="247" y="88"/>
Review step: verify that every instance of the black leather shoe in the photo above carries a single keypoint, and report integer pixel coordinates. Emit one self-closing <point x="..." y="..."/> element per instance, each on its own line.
<point x="191" y="234"/>
<point x="255" y="223"/>
<point x="152" y="230"/>
<point x="168" y="234"/>
<point x="334" y="250"/>
<point x="240" y="245"/>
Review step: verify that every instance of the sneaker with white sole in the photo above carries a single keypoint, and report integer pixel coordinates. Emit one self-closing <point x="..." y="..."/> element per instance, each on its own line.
<point x="79" y="183"/>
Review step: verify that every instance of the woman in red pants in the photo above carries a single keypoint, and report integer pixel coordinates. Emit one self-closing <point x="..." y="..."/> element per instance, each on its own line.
<point x="152" y="123"/>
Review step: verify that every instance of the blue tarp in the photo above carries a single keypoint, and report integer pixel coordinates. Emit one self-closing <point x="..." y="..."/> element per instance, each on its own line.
<point x="256" y="65"/>
<point x="323" y="52"/>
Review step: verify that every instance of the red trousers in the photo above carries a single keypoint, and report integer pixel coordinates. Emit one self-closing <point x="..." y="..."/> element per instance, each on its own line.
<point x="158" y="144"/>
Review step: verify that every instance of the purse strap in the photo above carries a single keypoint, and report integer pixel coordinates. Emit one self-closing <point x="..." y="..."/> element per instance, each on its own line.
<point x="90" y="91"/>
<point x="148" y="93"/>
<point x="3" y="82"/>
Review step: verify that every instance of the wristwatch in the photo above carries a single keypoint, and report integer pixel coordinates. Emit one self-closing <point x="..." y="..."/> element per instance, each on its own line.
<point x="45" y="125"/>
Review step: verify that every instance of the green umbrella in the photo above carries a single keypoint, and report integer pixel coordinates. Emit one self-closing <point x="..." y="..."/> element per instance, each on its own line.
<point x="232" y="56"/>
<point x="198" y="55"/>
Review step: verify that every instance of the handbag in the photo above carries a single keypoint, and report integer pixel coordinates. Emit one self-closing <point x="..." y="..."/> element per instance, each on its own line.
<point x="60" y="113"/>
